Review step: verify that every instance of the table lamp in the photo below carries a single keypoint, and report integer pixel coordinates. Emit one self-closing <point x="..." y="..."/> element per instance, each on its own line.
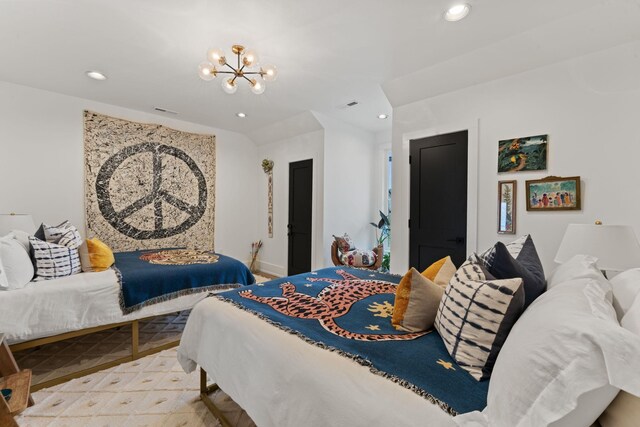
<point x="13" y="221"/>
<point x="615" y="246"/>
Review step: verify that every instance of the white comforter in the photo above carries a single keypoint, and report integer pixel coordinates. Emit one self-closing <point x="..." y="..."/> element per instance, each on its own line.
<point x="71" y="303"/>
<point x="282" y="381"/>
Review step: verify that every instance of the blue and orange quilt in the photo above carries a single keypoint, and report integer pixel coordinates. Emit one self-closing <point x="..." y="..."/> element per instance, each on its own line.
<point x="349" y="311"/>
<point x="153" y="276"/>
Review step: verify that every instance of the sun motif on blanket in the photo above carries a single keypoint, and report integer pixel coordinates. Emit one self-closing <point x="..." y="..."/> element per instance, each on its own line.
<point x="180" y="257"/>
<point x="331" y="303"/>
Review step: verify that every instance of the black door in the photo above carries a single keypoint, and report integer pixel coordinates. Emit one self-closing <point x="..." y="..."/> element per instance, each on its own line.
<point x="438" y="207"/>
<point x="299" y="227"/>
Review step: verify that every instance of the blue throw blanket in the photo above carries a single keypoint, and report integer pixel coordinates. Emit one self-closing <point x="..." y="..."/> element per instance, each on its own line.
<point x="153" y="276"/>
<point x="349" y="311"/>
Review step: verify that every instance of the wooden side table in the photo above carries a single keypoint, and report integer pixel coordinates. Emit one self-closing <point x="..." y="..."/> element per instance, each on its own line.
<point x="15" y="379"/>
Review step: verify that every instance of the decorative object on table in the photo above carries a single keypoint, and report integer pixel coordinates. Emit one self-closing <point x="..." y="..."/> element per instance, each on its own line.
<point x="148" y="186"/>
<point x="14" y="221"/>
<point x="523" y="154"/>
<point x="255" y="250"/>
<point x="507" y="198"/>
<point x="267" y="167"/>
<point x="615" y="246"/>
<point x="241" y="69"/>
<point x="553" y="193"/>
<point x="355" y="257"/>
<point x="383" y="234"/>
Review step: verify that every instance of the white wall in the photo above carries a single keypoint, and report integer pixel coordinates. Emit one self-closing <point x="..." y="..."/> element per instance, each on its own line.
<point x="351" y="183"/>
<point x="589" y="106"/>
<point x="42" y="172"/>
<point x="274" y="252"/>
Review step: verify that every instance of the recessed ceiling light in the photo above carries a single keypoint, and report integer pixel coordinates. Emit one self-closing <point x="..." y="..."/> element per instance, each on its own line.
<point x="96" y="75"/>
<point x="241" y="115"/>
<point x="457" y="12"/>
<point x="382" y="116"/>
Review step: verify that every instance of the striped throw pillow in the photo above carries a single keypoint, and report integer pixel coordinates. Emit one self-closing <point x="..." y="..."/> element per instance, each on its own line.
<point x="53" y="260"/>
<point x="475" y="316"/>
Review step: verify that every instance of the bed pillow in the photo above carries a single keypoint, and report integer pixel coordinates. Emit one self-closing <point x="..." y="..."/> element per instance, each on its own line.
<point x="624" y="411"/>
<point x="417" y="298"/>
<point x="626" y="288"/>
<point x="53" y="260"/>
<point x="518" y="259"/>
<point x="475" y="316"/>
<point x="441" y="271"/>
<point x="95" y="256"/>
<point x="16" y="269"/>
<point x="359" y="258"/>
<point x="345" y="244"/>
<point x="564" y="360"/>
<point x="578" y="267"/>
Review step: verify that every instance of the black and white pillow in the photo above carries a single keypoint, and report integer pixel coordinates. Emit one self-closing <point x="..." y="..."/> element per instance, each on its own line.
<point x="517" y="259"/>
<point x="53" y="260"/>
<point x="475" y="316"/>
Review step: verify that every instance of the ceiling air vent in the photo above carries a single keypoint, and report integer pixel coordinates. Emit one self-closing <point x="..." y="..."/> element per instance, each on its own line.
<point x="164" y="110"/>
<point x="352" y="103"/>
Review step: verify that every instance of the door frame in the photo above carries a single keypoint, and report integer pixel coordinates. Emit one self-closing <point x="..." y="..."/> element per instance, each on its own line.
<point x="471" y="126"/>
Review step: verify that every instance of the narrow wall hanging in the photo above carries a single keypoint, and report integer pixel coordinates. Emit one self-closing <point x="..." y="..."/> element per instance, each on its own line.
<point x="267" y="167"/>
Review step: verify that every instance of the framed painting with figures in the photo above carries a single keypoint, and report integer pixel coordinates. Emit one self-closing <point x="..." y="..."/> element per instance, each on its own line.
<point x="553" y="193"/>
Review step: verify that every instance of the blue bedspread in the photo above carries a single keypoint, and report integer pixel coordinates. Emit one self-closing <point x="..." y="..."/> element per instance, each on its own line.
<point x="349" y="311"/>
<point x="153" y="276"/>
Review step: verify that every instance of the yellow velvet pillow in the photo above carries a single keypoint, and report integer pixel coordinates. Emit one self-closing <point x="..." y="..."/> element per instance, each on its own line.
<point x="418" y="296"/>
<point x="95" y="256"/>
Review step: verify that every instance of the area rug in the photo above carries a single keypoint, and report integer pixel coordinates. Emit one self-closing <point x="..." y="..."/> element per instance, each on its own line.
<point x="152" y="391"/>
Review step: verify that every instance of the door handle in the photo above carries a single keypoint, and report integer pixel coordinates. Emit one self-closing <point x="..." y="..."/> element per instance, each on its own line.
<point x="457" y="240"/>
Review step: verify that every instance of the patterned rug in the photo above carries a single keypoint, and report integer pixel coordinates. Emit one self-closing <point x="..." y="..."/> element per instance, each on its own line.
<point x="152" y="391"/>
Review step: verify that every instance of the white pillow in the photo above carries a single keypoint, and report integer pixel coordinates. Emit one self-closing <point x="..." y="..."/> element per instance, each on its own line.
<point x="15" y="264"/>
<point x="578" y="267"/>
<point x="631" y="319"/>
<point x="22" y="237"/>
<point x="626" y="287"/>
<point x="563" y="361"/>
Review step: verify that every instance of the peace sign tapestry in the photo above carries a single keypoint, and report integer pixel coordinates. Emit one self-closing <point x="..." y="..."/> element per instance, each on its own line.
<point x="148" y="186"/>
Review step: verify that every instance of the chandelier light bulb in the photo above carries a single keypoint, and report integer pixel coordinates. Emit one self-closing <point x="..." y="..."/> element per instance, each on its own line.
<point x="216" y="56"/>
<point x="250" y="58"/>
<point x="269" y="72"/>
<point x="207" y="71"/>
<point x="229" y="86"/>
<point x="257" y="86"/>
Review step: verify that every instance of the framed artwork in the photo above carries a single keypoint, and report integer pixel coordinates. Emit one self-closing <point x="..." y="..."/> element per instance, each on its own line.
<point x="523" y="154"/>
<point x="507" y="207"/>
<point x="553" y="193"/>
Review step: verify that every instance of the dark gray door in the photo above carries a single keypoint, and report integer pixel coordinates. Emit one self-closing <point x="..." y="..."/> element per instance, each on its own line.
<point x="438" y="206"/>
<point x="299" y="227"/>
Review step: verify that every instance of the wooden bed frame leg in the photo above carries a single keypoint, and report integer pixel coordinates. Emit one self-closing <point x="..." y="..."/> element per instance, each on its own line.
<point x="134" y="339"/>
<point x="205" y="390"/>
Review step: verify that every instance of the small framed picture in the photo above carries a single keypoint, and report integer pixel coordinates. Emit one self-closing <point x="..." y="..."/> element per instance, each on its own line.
<point x="523" y="154"/>
<point x="553" y="193"/>
<point x="507" y="206"/>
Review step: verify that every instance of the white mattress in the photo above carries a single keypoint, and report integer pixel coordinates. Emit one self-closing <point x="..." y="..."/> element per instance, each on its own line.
<point x="71" y="303"/>
<point x="281" y="380"/>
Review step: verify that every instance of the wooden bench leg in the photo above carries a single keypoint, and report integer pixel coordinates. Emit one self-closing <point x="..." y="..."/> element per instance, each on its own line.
<point x="6" y="419"/>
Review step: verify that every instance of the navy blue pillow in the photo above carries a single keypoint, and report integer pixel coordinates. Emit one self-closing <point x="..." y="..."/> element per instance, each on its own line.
<point x="523" y="262"/>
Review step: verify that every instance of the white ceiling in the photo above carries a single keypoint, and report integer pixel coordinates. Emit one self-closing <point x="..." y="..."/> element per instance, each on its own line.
<point x="328" y="52"/>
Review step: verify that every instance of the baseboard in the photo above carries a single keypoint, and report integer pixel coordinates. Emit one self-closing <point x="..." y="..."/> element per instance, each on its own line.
<point x="272" y="269"/>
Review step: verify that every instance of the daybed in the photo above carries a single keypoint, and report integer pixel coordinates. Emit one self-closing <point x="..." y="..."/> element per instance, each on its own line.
<point x="53" y="310"/>
<point x="562" y="364"/>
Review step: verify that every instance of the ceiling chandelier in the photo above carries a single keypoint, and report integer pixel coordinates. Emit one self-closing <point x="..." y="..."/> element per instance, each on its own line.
<point x="247" y="69"/>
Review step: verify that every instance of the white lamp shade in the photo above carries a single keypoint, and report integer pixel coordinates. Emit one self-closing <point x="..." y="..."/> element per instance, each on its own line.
<point x="615" y="246"/>
<point x="23" y="222"/>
